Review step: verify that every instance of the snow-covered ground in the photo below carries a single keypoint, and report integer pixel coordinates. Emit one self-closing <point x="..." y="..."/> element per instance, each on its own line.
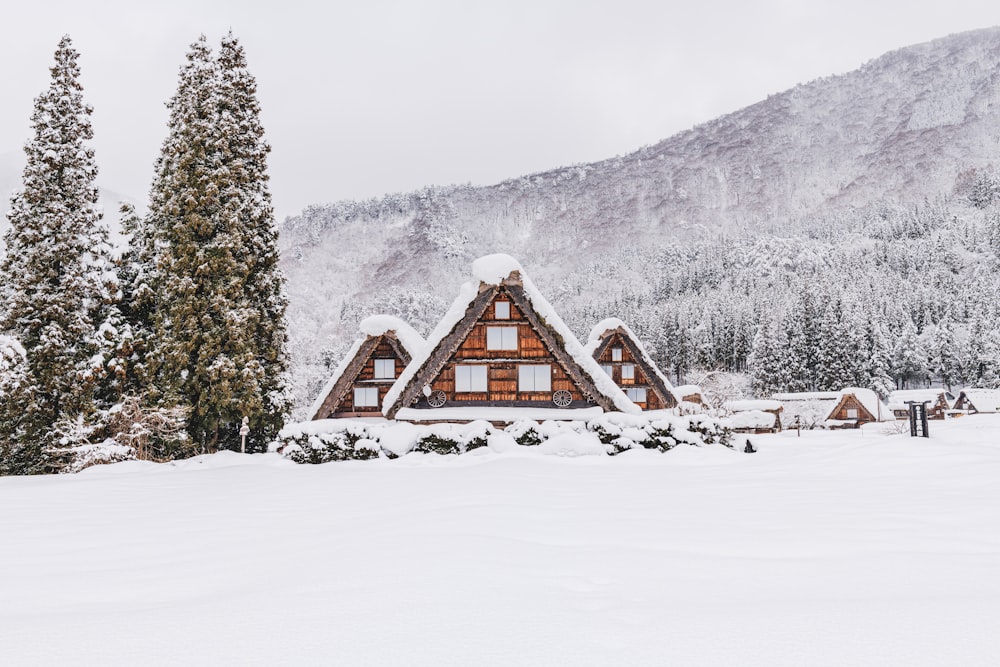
<point x="836" y="548"/>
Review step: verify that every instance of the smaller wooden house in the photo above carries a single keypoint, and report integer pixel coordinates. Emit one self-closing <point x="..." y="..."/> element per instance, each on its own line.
<point x="939" y="402"/>
<point x="978" y="401"/>
<point x="691" y="399"/>
<point x="370" y="367"/>
<point x="755" y="416"/>
<point x="623" y="357"/>
<point x="857" y="406"/>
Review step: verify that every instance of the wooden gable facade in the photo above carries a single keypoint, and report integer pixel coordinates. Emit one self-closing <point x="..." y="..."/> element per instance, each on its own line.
<point x="620" y="357"/>
<point x="502" y="353"/>
<point x="360" y="389"/>
<point x="978" y="401"/>
<point x="851" y="411"/>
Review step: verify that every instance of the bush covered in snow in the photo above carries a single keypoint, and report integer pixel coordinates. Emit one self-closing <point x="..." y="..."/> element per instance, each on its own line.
<point x="328" y="440"/>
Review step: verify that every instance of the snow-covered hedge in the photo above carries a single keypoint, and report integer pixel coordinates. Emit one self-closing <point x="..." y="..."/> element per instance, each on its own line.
<point x="613" y="433"/>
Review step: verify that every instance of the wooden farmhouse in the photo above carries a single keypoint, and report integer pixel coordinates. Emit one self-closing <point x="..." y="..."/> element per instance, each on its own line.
<point x="755" y="416"/>
<point x="857" y="406"/>
<point x="501" y="353"/>
<point x="982" y="401"/>
<point x="938" y="402"/>
<point x="623" y="358"/>
<point x="371" y="366"/>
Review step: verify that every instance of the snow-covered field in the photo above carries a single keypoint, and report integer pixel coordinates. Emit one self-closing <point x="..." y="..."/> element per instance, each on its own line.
<point x="836" y="548"/>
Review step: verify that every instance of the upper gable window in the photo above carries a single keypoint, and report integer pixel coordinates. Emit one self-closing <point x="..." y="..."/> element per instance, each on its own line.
<point x="385" y="369"/>
<point x="852" y="413"/>
<point x="501" y="338"/>
<point x="501" y="310"/>
<point x="616" y="354"/>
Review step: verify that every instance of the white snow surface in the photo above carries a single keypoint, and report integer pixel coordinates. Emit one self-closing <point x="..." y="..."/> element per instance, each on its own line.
<point x="753" y="404"/>
<point x="487" y="270"/>
<point x="833" y="548"/>
<point x="613" y="323"/>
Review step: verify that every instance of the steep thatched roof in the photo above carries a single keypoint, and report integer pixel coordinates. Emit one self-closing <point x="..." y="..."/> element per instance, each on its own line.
<point x="601" y="337"/>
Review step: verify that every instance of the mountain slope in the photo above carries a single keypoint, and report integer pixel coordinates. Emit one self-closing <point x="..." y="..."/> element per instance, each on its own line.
<point x="911" y="125"/>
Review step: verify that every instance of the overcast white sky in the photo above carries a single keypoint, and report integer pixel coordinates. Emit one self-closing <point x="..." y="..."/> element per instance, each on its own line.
<point x="364" y="98"/>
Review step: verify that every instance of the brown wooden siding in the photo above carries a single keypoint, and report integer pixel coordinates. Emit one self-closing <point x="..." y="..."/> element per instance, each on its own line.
<point x="366" y="378"/>
<point x="640" y="380"/>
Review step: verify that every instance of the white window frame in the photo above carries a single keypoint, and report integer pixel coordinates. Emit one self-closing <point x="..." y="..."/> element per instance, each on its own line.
<point x="609" y="369"/>
<point x="628" y="372"/>
<point x="381" y="375"/>
<point x="363" y="397"/>
<point x="534" y="377"/>
<point x="616" y="354"/>
<point x="471" y="378"/>
<point x="501" y="338"/>
<point x="636" y="394"/>
<point x="852" y="413"/>
<point x="501" y="310"/>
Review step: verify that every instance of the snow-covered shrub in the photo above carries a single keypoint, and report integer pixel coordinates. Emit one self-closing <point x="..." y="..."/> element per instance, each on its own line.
<point x="525" y="433"/>
<point x="710" y="430"/>
<point x="454" y="438"/>
<point x="78" y="445"/>
<point x="352" y="442"/>
<point x="438" y="443"/>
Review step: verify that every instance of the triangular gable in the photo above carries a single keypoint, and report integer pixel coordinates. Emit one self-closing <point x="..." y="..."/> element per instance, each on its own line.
<point x="866" y="401"/>
<point x="613" y="333"/>
<point x="501" y="278"/>
<point x="383" y="333"/>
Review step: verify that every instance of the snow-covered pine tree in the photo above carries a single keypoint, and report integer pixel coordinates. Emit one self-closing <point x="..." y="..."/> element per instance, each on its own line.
<point x="769" y="359"/>
<point x="261" y="386"/>
<point x="57" y="275"/>
<point x="219" y="332"/>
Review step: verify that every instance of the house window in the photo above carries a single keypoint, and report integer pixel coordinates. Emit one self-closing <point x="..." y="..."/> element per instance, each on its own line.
<point x="852" y="413"/>
<point x="534" y="378"/>
<point x="385" y="369"/>
<point x="636" y="394"/>
<point x="469" y="378"/>
<point x="501" y="338"/>
<point x="366" y="397"/>
<point x="609" y="369"/>
<point x="501" y="310"/>
<point x="616" y="354"/>
<point x="628" y="372"/>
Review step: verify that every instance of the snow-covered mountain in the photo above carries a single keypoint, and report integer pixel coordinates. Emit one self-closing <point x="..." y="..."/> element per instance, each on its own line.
<point x="914" y="124"/>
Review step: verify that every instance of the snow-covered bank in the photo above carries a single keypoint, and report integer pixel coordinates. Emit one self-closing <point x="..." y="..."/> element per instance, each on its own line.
<point x="834" y="548"/>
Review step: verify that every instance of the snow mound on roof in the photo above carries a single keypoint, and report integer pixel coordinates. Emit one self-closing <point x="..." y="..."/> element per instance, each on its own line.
<point x="377" y="325"/>
<point x="871" y="402"/>
<point x="984" y="400"/>
<point x="492" y="269"/>
<point x="897" y="399"/>
<point x="762" y="404"/>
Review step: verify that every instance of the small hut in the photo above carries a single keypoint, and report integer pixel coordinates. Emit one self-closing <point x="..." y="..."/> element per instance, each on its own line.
<point x="806" y="409"/>
<point x="755" y="416"/>
<point x="623" y="357"/>
<point x="501" y="353"/>
<point x="857" y="406"/>
<point x="978" y="401"/>
<point x="939" y="401"/>
<point x="370" y="367"/>
<point x="692" y="399"/>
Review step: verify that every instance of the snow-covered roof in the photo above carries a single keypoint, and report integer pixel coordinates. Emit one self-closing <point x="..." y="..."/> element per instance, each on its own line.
<point x="752" y="419"/>
<point x="870" y="401"/>
<point x="984" y="400"/>
<point x="376" y="325"/>
<point x="897" y="399"/>
<point x="493" y="270"/>
<point x="807" y="396"/>
<point x="613" y="324"/>
<point x="759" y="404"/>
<point x="687" y="390"/>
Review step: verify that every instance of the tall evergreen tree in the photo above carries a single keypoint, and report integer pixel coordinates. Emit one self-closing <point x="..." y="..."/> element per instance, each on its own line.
<point x="219" y="318"/>
<point x="57" y="276"/>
